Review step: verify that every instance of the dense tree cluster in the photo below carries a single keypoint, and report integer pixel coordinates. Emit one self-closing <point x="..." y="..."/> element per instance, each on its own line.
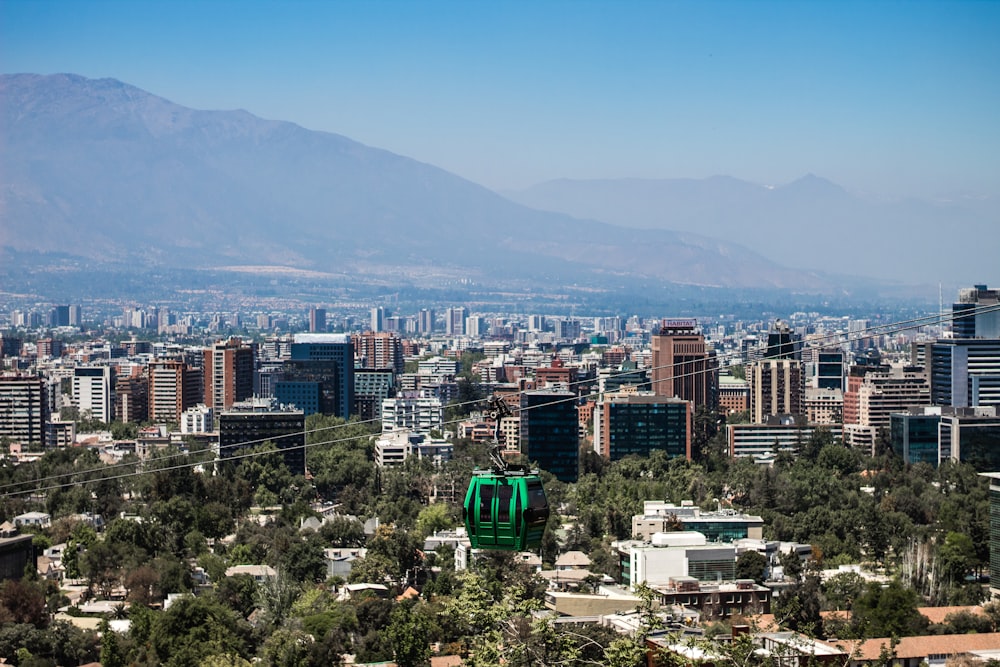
<point x="926" y="528"/>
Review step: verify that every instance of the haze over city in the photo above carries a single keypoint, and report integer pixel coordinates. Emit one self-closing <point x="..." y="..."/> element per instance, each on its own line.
<point x="888" y="98"/>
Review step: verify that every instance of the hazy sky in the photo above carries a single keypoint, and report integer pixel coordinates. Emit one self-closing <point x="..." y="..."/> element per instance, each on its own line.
<point x="885" y="97"/>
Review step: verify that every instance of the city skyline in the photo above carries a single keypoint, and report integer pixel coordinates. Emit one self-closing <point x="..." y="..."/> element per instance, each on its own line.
<point x="890" y="99"/>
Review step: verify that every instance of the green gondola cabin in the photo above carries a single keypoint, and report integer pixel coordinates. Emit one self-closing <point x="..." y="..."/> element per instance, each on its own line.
<point x="507" y="512"/>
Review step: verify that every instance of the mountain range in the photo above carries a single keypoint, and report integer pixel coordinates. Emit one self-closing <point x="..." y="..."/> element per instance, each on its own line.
<point x="104" y="172"/>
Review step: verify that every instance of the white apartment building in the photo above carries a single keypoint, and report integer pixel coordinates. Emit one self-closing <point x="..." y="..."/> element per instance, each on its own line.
<point x="92" y="392"/>
<point x="411" y="413"/>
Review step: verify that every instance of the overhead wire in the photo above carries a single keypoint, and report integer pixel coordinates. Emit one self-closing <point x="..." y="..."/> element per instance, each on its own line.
<point x="836" y="337"/>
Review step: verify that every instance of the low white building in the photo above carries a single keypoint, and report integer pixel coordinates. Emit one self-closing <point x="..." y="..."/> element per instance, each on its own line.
<point x="392" y="448"/>
<point x="199" y="419"/>
<point x="682" y="553"/>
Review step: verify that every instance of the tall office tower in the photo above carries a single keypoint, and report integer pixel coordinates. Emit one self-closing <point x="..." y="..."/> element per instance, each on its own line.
<point x="59" y="316"/>
<point x="782" y="343"/>
<point x="634" y="423"/>
<point x="550" y="432"/>
<point x="994" y="536"/>
<point x="977" y="313"/>
<point x="317" y="320"/>
<point x="567" y="329"/>
<point x="379" y="350"/>
<point x="249" y="423"/>
<point x="777" y="387"/>
<point x="454" y="321"/>
<point x="132" y="398"/>
<point x="319" y="375"/>
<point x="829" y="365"/>
<point x="395" y="324"/>
<point x="857" y="335"/>
<point x="92" y="392"/>
<point x="875" y="392"/>
<point x="425" y="321"/>
<point x="174" y="386"/>
<point x="24" y="408"/>
<point x="264" y="322"/>
<point x="536" y="323"/>
<point x="965" y="372"/>
<point x="228" y="370"/>
<point x="476" y="326"/>
<point x="378" y="319"/>
<point x="75" y="316"/>
<point x="164" y="319"/>
<point x="683" y="366"/>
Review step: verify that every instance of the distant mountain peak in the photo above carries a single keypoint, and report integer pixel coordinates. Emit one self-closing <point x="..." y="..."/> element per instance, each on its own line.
<point x="101" y="169"/>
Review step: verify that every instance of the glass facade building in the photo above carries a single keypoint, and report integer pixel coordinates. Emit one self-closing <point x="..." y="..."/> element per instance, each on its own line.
<point x="550" y="432"/>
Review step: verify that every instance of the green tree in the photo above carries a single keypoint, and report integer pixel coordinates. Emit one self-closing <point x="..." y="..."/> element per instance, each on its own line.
<point x="408" y="634"/>
<point x="751" y="565"/>
<point x="434" y="518"/>
<point x="287" y="648"/>
<point x="194" y="628"/>
<point x="887" y="611"/>
<point x="111" y="651"/>
<point x="957" y="556"/>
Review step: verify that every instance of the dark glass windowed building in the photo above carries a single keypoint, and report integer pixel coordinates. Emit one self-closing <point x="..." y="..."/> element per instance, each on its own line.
<point x="550" y="432"/>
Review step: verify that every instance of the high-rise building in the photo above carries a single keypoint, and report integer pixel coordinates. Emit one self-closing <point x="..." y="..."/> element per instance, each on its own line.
<point x="250" y="423"/>
<point x="132" y="398"/>
<point x="633" y="423"/>
<point x="536" y="323"/>
<point x="92" y="392"/>
<point x="379" y="350"/>
<point x="829" y="369"/>
<point x="59" y="316"/>
<point x="977" y="313"/>
<point x="24" y="408"/>
<point x="994" y="536"/>
<point x="75" y="316"/>
<point x="875" y="392"/>
<point x="567" y="329"/>
<point x="319" y="376"/>
<point x="965" y="372"/>
<point x="550" y="432"/>
<point x="455" y="321"/>
<point x="371" y="387"/>
<point x="317" y="320"/>
<point x="10" y="346"/>
<point x="425" y="321"/>
<point x="378" y="319"/>
<point x="682" y="364"/>
<point x="475" y="325"/>
<point x="228" y="371"/>
<point x="971" y="435"/>
<point x="174" y="386"/>
<point x="782" y="343"/>
<point x="776" y="388"/>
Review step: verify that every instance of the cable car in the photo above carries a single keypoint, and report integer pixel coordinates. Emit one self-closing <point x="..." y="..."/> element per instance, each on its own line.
<point x="505" y="510"/>
<point x="505" y="507"/>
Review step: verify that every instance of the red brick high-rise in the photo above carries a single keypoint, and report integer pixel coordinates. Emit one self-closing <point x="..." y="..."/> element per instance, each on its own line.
<point x="683" y="366"/>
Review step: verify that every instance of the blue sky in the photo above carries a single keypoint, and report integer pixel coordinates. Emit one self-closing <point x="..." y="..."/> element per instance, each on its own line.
<point x="892" y="98"/>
